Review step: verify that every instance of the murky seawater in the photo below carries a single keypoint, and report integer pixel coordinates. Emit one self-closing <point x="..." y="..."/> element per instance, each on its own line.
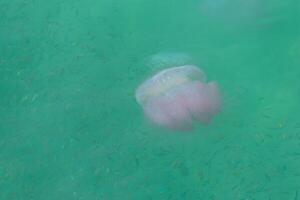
<point x="70" y="127"/>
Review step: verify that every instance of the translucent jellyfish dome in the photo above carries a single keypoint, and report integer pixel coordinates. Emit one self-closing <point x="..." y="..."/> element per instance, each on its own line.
<point x="179" y="96"/>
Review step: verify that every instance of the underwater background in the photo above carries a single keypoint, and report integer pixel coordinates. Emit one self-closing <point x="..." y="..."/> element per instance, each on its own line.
<point x="70" y="127"/>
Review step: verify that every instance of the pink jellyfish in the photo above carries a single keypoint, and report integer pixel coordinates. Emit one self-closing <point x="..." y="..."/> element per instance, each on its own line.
<point x="177" y="97"/>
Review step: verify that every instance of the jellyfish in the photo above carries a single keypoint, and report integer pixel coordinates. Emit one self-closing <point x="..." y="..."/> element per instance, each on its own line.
<point x="234" y="12"/>
<point x="178" y="97"/>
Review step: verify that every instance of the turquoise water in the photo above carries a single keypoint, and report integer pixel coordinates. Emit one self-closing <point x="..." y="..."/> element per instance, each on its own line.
<point x="70" y="127"/>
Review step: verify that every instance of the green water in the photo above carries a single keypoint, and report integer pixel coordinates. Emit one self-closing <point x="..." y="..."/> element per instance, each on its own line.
<point x="70" y="127"/>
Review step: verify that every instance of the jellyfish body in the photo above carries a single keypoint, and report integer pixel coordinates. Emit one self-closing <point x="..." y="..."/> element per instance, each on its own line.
<point x="178" y="96"/>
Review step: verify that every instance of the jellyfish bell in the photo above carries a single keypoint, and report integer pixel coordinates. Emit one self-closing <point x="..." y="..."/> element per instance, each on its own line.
<point x="176" y="97"/>
<point x="232" y="10"/>
<point x="167" y="79"/>
<point x="167" y="59"/>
